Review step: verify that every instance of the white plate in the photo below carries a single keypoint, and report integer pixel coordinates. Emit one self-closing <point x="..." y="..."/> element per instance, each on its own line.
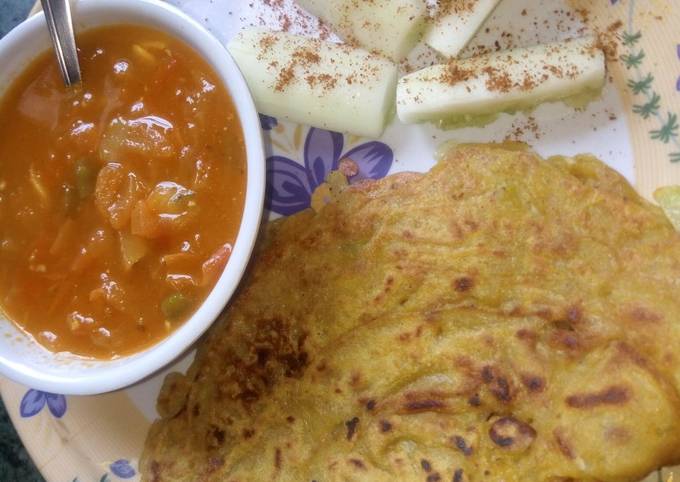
<point x="100" y="438"/>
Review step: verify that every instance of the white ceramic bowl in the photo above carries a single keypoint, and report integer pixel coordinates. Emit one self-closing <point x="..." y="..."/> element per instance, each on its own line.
<point x="23" y="359"/>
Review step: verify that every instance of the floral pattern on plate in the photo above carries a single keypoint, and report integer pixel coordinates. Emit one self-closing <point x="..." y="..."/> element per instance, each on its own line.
<point x="35" y="400"/>
<point x="290" y="185"/>
<point x="641" y="84"/>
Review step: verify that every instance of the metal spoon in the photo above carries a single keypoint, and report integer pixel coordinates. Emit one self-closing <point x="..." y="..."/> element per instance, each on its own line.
<point x="60" y="25"/>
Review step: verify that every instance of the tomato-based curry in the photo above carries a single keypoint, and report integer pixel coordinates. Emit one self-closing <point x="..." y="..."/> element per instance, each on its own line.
<point x="119" y="198"/>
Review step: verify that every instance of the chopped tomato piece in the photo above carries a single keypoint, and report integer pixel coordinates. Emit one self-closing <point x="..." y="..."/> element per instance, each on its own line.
<point x="116" y="193"/>
<point x="214" y="265"/>
<point x="97" y="247"/>
<point x="144" y="222"/>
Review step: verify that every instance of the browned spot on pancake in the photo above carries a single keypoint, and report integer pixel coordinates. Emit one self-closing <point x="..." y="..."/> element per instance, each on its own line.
<point x="574" y="314"/>
<point x="641" y="314"/>
<point x="462" y="445"/>
<point x="248" y="396"/>
<point x="407" y="336"/>
<point x="474" y="400"/>
<point x="499" y="385"/>
<point x="385" y="426"/>
<point x="533" y="383"/>
<point x="355" y="379"/>
<point x="618" y="435"/>
<point x="500" y="388"/>
<point x="427" y="394"/>
<point x="456" y="230"/>
<point x="563" y="325"/>
<point x="155" y="471"/>
<point x="514" y="310"/>
<point x="526" y="335"/>
<point x="400" y="253"/>
<point x="433" y="477"/>
<point x="389" y="281"/>
<point x="290" y="419"/>
<point x="370" y="405"/>
<point x="565" y="339"/>
<point x="352" y="427"/>
<point x="215" y="463"/>
<point x="487" y="374"/>
<point x="464" y="284"/>
<point x="217" y="436"/>
<point x="545" y="313"/>
<point x="630" y="353"/>
<point x="512" y="434"/>
<point x="563" y="444"/>
<point x="248" y="433"/>
<point x="358" y="464"/>
<point x="614" y="395"/>
<point x="425" y="464"/>
<point x="263" y="355"/>
<point x="274" y="343"/>
<point x="458" y="475"/>
<point x="277" y="459"/>
<point x="424" y="405"/>
<point x="471" y="224"/>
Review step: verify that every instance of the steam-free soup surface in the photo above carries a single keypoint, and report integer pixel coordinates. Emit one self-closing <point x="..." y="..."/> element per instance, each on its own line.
<point x="119" y="199"/>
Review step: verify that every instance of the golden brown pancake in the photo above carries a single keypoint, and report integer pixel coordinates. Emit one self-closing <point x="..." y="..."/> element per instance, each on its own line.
<point x="500" y="318"/>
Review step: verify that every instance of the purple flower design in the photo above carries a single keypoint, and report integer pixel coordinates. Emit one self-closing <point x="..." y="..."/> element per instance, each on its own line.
<point x="121" y="468"/>
<point x="35" y="400"/>
<point x="290" y="185"/>
<point x="267" y="122"/>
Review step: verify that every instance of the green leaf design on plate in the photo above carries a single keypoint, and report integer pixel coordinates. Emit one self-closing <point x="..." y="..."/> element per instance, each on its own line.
<point x="633" y="60"/>
<point x="104" y="478"/>
<point x="649" y="108"/>
<point x="630" y="39"/>
<point x="641" y="86"/>
<point x="668" y="130"/>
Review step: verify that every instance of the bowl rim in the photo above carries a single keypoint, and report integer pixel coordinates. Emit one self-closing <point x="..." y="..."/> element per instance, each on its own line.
<point x="101" y="376"/>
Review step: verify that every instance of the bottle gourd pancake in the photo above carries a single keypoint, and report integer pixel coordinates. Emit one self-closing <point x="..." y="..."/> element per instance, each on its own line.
<point x="500" y="318"/>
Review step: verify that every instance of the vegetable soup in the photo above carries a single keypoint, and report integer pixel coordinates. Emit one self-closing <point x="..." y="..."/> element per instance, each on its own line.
<point x="120" y="198"/>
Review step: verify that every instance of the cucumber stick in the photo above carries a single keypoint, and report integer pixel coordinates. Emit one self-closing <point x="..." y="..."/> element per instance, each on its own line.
<point x="474" y="90"/>
<point x="389" y="27"/>
<point x="456" y="23"/>
<point x="322" y="84"/>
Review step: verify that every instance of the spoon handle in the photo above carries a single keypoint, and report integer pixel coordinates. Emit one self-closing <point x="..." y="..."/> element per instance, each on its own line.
<point x="58" y="17"/>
